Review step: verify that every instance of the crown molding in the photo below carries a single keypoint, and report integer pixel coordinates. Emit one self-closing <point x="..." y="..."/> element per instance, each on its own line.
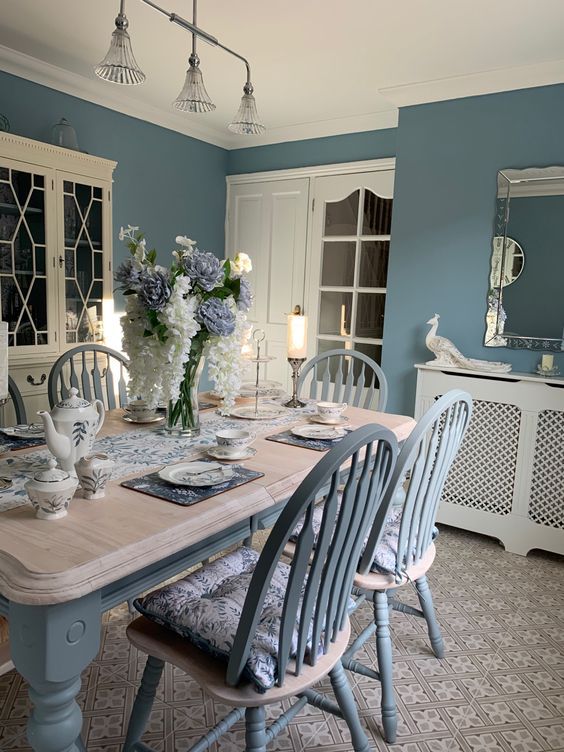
<point x="476" y="84"/>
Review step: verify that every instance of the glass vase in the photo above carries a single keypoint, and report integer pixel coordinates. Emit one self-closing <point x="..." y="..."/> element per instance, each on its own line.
<point x="182" y="415"/>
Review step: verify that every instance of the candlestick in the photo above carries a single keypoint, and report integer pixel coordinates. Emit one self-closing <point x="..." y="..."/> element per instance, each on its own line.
<point x="296" y="364"/>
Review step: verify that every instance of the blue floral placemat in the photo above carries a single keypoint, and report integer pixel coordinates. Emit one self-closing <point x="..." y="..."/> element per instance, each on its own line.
<point x="152" y="485"/>
<point x="7" y="444"/>
<point x="320" y="445"/>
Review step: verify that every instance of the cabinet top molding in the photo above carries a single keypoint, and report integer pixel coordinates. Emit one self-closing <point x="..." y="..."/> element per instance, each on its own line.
<point x="57" y="157"/>
<point x="511" y="376"/>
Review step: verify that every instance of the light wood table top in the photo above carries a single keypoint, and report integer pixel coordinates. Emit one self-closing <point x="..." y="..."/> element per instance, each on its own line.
<point x="101" y="541"/>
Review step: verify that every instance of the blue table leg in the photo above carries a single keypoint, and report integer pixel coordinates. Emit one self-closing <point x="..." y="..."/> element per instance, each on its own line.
<point x="51" y="646"/>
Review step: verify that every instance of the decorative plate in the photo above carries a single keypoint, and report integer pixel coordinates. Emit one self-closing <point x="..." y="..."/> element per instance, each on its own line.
<point x="265" y="389"/>
<point x="219" y="453"/>
<point x="31" y="431"/>
<point x="340" y="421"/>
<point x="318" y="432"/>
<point x="152" y="419"/>
<point x="265" y="412"/>
<point x="196" y="474"/>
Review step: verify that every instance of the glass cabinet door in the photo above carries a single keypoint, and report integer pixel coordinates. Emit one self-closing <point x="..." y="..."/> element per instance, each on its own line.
<point x="24" y="300"/>
<point x="83" y="261"/>
<point x="354" y="240"/>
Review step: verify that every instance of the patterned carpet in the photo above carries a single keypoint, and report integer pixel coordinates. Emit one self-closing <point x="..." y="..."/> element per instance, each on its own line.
<point x="499" y="687"/>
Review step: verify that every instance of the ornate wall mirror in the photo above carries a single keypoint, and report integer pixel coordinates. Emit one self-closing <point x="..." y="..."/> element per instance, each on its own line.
<point x="526" y="282"/>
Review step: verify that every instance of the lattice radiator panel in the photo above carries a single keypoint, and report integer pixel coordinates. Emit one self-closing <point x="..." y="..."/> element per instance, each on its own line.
<point x="546" y="505"/>
<point x="483" y="474"/>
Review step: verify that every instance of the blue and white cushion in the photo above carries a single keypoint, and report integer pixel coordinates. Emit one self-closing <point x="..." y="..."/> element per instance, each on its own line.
<point x="206" y="608"/>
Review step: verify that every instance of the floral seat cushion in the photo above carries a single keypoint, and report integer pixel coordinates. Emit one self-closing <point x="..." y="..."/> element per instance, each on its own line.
<point x="206" y="608"/>
<point x="385" y="556"/>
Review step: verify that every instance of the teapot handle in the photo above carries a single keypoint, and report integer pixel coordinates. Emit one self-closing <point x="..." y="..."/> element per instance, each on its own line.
<point x="99" y="405"/>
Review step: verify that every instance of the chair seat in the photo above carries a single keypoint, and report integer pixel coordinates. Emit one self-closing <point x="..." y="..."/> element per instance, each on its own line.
<point x="209" y="672"/>
<point x="380" y="581"/>
<point x="206" y="606"/>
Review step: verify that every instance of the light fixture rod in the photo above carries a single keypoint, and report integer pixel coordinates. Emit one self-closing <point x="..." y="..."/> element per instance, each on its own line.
<point x="183" y="23"/>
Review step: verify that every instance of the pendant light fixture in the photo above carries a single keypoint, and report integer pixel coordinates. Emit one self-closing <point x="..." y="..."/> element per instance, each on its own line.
<point x="120" y="66"/>
<point x="194" y="97"/>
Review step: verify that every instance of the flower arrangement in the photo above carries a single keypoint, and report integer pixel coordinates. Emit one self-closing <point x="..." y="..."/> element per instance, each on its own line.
<point x="176" y="316"/>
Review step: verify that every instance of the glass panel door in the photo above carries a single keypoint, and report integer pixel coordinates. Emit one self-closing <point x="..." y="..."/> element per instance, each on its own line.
<point x="82" y="261"/>
<point x="351" y="243"/>
<point x="23" y="254"/>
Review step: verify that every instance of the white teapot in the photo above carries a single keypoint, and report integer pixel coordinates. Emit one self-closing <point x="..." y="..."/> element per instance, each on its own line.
<point x="71" y="427"/>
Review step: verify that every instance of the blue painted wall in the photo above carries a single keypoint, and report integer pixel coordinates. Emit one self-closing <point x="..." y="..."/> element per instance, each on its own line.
<point x="167" y="183"/>
<point x="350" y="147"/>
<point x="448" y="154"/>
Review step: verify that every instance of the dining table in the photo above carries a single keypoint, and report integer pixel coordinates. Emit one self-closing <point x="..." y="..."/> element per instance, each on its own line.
<point x="58" y="577"/>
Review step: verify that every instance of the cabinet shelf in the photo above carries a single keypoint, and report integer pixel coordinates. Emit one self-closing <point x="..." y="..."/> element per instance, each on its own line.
<point x="96" y="245"/>
<point x="13" y="209"/>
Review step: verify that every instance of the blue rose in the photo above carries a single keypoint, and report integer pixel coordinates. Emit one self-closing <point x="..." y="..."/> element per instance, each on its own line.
<point x="217" y="317"/>
<point x="128" y="275"/>
<point x="154" y="289"/>
<point x="204" y="269"/>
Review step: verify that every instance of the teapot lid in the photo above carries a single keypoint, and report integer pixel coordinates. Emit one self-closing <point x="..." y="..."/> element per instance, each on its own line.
<point x="52" y="475"/>
<point x="73" y="400"/>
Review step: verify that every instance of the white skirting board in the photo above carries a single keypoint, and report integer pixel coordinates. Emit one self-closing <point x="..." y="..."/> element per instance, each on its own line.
<point x="508" y="478"/>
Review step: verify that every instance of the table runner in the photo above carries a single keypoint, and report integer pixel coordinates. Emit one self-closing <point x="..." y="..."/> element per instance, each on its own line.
<point x="136" y="452"/>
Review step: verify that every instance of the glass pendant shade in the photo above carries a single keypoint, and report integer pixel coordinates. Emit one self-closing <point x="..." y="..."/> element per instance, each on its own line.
<point x="193" y="97"/>
<point x="119" y="66"/>
<point x="246" y="122"/>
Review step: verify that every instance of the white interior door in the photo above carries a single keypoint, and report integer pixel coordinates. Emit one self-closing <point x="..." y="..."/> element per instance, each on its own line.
<point x="269" y="222"/>
<point x="348" y="263"/>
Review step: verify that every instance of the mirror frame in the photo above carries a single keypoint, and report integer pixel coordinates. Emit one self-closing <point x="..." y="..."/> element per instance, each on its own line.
<point x="495" y="313"/>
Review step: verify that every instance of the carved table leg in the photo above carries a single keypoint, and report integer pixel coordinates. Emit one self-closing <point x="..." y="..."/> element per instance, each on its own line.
<point x="51" y="646"/>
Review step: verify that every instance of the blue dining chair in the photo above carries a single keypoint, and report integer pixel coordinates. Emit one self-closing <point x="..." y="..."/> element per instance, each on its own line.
<point x="400" y="548"/>
<point x="17" y="401"/>
<point x="345" y="376"/>
<point x="97" y="371"/>
<point x="248" y="622"/>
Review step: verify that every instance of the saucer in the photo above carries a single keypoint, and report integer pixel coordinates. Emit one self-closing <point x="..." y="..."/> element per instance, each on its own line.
<point x="340" y="421"/>
<point x="219" y="453"/>
<point x="327" y="433"/>
<point x="24" y="432"/>
<point x="153" y="419"/>
<point x="196" y="474"/>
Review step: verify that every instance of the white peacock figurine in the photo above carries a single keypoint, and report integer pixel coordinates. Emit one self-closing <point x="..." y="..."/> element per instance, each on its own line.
<point x="447" y="354"/>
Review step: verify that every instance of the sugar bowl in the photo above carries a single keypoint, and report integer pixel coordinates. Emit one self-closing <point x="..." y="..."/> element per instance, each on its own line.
<point x="50" y="491"/>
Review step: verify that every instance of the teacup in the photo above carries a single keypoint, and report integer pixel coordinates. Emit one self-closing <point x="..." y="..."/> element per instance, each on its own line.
<point x="139" y="411"/>
<point x="234" y="440"/>
<point x="331" y="410"/>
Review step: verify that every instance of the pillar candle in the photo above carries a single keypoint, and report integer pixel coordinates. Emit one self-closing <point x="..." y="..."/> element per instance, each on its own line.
<point x="547" y="362"/>
<point x="3" y="359"/>
<point x="297" y="336"/>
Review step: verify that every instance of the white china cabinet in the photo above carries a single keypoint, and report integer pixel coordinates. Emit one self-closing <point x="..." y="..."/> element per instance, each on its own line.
<point x="55" y="255"/>
<point x="508" y="478"/>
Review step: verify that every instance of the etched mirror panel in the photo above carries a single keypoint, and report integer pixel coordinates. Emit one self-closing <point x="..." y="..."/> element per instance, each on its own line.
<point x="83" y="262"/>
<point x="525" y="306"/>
<point x="23" y="268"/>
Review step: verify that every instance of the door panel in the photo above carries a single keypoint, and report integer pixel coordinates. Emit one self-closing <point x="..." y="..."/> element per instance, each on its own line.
<point x="269" y="222"/>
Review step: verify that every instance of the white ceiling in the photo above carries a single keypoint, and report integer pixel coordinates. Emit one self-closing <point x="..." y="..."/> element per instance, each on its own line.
<point x="320" y="67"/>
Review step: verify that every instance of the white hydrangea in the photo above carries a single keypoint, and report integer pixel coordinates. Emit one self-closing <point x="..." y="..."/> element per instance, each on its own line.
<point x="226" y="363"/>
<point x="241" y="264"/>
